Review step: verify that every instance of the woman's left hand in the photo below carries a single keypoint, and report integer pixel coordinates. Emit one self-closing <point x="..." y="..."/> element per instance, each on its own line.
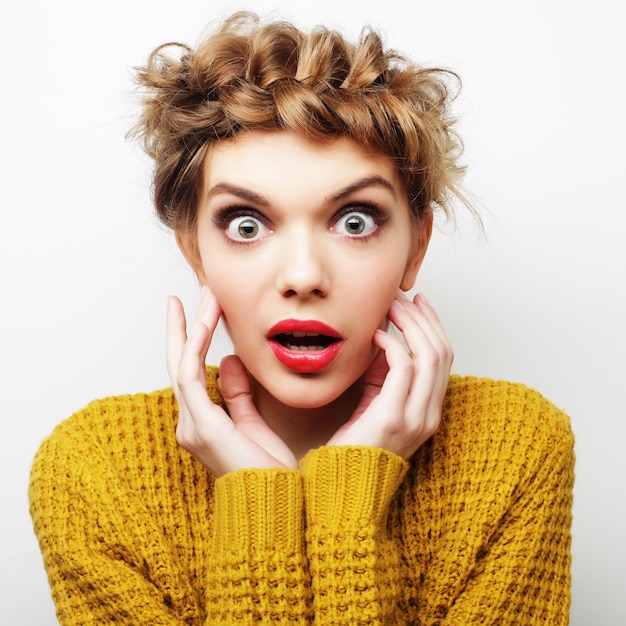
<point x="402" y="392"/>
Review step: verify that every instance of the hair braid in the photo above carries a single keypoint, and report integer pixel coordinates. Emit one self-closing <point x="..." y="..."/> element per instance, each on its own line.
<point x="250" y="75"/>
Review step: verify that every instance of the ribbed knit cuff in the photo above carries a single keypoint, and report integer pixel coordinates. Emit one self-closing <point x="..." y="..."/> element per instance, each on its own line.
<point x="350" y="484"/>
<point x="259" y="509"/>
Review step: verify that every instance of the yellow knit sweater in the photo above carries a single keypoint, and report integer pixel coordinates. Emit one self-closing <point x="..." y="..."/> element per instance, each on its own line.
<point x="474" y="530"/>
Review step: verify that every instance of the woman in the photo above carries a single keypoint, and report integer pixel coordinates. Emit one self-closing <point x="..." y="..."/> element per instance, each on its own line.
<point x="328" y="472"/>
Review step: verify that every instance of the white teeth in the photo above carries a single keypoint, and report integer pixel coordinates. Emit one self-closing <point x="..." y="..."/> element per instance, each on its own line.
<point x="299" y="348"/>
<point x="301" y="333"/>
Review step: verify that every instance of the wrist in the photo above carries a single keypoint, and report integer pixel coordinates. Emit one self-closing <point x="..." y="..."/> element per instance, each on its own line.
<point x="347" y="484"/>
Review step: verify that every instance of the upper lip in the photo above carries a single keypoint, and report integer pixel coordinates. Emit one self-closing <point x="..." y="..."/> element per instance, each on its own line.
<point x="306" y="327"/>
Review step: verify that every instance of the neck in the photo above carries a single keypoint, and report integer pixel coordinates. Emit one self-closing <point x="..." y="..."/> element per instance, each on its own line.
<point x="304" y="429"/>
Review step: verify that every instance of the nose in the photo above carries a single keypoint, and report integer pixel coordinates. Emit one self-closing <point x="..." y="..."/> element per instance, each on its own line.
<point x="302" y="266"/>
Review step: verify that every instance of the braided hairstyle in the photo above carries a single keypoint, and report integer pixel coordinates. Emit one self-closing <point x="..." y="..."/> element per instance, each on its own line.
<point x="251" y="75"/>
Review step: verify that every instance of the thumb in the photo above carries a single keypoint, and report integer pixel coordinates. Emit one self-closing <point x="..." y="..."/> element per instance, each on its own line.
<point x="236" y="389"/>
<point x="377" y="371"/>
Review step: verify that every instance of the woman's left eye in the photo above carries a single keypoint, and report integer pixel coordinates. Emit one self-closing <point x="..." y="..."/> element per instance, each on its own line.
<point x="355" y="224"/>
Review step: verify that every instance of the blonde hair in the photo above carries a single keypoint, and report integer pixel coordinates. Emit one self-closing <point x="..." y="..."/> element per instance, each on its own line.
<point x="251" y="75"/>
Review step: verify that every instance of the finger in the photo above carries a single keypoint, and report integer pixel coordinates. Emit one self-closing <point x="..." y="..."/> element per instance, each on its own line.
<point x="237" y="393"/>
<point x="439" y="339"/>
<point x="400" y="374"/>
<point x="423" y="332"/>
<point x="236" y="389"/>
<point x="377" y="371"/>
<point x="200" y="421"/>
<point x="421" y="311"/>
<point x="209" y="310"/>
<point x="208" y="316"/>
<point x="176" y="336"/>
<point x="432" y="359"/>
<point x="189" y="371"/>
<point x="417" y="416"/>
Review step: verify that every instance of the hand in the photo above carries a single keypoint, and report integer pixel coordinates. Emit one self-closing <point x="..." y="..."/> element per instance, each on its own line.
<point x="402" y="393"/>
<point x="221" y="442"/>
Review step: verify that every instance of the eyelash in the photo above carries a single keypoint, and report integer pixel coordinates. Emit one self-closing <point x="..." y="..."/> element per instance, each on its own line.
<point x="379" y="216"/>
<point x="225" y="215"/>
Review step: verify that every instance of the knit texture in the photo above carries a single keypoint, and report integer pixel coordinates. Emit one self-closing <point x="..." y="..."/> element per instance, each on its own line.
<point x="475" y="529"/>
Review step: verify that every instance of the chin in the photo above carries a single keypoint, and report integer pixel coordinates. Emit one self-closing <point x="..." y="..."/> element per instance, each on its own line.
<point x="310" y="392"/>
<point x="308" y="405"/>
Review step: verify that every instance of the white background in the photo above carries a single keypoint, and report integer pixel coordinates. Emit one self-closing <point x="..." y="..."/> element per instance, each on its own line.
<point x="85" y="269"/>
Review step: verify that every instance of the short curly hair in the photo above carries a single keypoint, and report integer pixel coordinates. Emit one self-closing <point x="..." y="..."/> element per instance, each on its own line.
<point x="254" y="75"/>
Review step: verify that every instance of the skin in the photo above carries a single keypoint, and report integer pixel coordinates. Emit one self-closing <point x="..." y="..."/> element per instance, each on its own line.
<point x="290" y="229"/>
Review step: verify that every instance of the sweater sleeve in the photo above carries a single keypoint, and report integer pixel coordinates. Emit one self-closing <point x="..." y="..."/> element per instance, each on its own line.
<point x="354" y="563"/>
<point x="134" y="531"/>
<point x="258" y="570"/>
<point x="522" y="573"/>
<point x="97" y="553"/>
<point x="496" y="498"/>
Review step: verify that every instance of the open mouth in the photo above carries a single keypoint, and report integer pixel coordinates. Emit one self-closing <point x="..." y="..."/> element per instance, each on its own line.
<point x="303" y="341"/>
<point x="305" y="346"/>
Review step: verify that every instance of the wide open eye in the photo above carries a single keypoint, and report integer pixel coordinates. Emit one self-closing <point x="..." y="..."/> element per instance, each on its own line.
<point x="355" y="224"/>
<point x="245" y="228"/>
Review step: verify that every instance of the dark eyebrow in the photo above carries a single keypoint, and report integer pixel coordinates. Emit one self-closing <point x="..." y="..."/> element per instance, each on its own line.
<point x="370" y="181"/>
<point x="240" y="192"/>
<point x="255" y="198"/>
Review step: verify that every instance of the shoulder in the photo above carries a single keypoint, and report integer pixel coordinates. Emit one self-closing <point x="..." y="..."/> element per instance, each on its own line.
<point x="498" y="406"/>
<point x="116" y="425"/>
<point x="499" y="428"/>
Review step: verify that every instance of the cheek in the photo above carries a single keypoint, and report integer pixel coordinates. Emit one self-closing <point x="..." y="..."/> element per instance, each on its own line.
<point x="372" y="301"/>
<point x="239" y="309"/>
<point x="381" y="288"/>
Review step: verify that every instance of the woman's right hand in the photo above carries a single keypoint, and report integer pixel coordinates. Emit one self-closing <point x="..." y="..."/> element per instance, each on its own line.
<point x="221" y="442"/>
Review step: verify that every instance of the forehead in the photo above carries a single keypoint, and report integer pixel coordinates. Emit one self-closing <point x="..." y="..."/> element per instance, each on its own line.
<point x="282" y="160"/>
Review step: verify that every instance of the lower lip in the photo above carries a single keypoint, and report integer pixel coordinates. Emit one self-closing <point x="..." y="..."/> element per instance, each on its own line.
<point x="305" y="360"/>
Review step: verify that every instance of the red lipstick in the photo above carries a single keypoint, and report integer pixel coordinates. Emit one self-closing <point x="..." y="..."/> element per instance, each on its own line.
<point x="304" y="345"/>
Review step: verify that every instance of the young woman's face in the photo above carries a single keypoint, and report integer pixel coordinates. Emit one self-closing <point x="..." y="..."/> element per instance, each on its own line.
<point x="304" y="246"/>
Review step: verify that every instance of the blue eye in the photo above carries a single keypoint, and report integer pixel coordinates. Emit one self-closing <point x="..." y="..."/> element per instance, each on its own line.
<point x="245" y="228"/>
<point x="356" y="224"/>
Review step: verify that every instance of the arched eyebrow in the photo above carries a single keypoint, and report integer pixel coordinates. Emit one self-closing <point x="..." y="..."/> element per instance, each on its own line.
<point x="369" y="181"/>
<point x="240" y="192"/>
<point x="250" y="196"/>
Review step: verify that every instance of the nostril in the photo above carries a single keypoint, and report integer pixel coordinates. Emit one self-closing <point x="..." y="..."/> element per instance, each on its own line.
<point x="301" y="277"/>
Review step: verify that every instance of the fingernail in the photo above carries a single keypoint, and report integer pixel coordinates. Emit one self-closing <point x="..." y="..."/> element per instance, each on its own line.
<point x="423" y="299"/>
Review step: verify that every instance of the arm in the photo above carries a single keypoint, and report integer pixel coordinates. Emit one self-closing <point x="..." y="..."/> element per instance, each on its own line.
<point x="135" y="531"/>
<point x="98" y="542"/>
<point x="353" y="559"/>
<point x="258" y="571"/>
<point x="522" y="574"/>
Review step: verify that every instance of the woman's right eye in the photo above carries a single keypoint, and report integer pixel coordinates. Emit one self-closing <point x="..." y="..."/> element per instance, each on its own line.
<point x="245" y="228"/>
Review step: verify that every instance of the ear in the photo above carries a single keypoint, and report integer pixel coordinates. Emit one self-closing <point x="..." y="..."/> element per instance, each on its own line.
<point x="188" y="245"/>
<point x="419" y="247"/>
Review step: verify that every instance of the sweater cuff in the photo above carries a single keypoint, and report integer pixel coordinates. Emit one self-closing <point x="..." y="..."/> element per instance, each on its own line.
<point x="258" y="508"/>
<point x="345" y="484"/>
